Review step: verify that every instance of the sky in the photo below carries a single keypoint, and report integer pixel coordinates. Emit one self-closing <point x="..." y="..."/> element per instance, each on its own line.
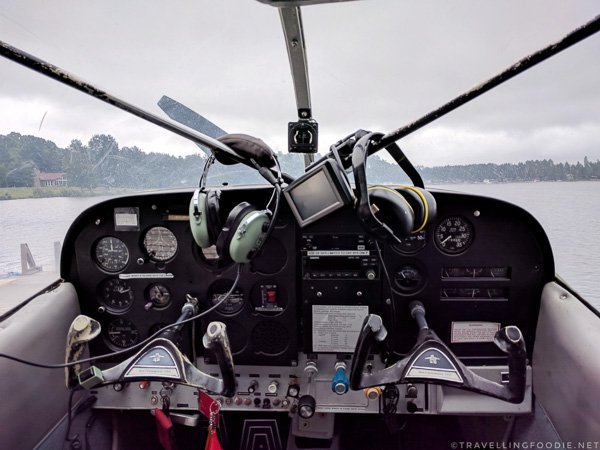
<point x="373" y="64"/>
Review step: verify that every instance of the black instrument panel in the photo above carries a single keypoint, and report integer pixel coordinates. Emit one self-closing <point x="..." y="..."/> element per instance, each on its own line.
<point x="480" y="263"/>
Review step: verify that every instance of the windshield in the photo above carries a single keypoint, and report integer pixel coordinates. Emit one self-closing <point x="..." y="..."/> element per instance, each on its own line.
<point x="374" y="65"/>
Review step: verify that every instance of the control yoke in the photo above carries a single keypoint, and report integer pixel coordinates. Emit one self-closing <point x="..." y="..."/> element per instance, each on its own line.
<point x="431" y="361"/>
<point x="161" y="360"/>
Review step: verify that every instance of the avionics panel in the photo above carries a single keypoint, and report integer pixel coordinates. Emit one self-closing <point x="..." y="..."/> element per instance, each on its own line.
<point x="336" y="256"/>
<point x="341" y="284"/>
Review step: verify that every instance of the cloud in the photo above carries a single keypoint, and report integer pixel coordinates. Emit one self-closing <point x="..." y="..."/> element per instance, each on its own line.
<point x="376" y="65"/>
<point x="439" y="146"/>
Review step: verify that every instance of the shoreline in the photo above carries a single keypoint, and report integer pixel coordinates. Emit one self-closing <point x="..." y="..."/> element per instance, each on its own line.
<point x="21" y="193"/>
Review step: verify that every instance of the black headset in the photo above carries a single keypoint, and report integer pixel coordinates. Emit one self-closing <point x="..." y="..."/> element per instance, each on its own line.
<point x="388" y="213"/>
<point x="247" y="227"/>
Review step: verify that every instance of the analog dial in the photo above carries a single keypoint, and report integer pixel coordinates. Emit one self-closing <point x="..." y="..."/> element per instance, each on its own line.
<point x="116" y="295"/>
<point x="454" y="235"/>
<point x="159" y="296"/>
<point x="160" y="244"/>
<point x="411" y="243"/>
<point x="409" y="279"/>
<point x="111" y="254"/>
<point x="122" y="333"/>
<point x="233" y="304"/>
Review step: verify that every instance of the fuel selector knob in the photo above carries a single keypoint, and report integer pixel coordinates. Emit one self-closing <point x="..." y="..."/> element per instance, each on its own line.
<point x="306" y="406"/>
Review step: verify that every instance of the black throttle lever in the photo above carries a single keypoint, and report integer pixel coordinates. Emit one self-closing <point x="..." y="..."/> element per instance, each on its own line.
<point x="372" y="331"/>
<point x="431" y="361"/>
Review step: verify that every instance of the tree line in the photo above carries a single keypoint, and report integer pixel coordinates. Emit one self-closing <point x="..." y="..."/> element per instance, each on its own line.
<point x="102" y="163"/>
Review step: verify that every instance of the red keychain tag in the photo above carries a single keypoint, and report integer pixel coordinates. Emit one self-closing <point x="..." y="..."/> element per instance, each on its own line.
<point x="210" y="409"/>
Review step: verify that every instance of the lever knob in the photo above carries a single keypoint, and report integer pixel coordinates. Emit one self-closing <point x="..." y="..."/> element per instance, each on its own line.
<point x="340" y="382"/>
<point x="306" y="406"/>
<point x="510" y="340"/>
<point x="417" y="312"/>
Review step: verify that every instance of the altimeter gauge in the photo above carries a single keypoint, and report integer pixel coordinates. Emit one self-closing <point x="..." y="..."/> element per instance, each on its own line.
<point x="453" y="235"/>
<point x="116" y="295"/>
<point x="111" y="254"/>
<point x="160" y="244"/>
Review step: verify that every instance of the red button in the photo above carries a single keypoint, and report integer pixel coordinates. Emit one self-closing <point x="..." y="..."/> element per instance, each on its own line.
<point x="271" y="296"/>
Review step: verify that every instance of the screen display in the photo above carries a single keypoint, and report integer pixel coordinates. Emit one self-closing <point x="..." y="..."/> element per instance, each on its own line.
<point x="315" y="195"/>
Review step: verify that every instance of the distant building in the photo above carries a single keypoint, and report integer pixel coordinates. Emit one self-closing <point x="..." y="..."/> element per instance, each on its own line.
<point x="44" y="179"/>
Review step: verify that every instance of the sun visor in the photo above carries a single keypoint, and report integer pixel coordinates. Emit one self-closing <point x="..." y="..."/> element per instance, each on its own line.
<point x="247" y="147"/>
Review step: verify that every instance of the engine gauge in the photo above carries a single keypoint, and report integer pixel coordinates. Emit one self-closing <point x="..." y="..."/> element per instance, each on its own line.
<point x="411" y="243"/>
<point x="409" y="279"/>
<point x="158" y="296"/>
<point x="160" y="244"/>
<point x="233" y="304"/>
<point x="454" y="235"/>
<point x="111" y="254"/>
<point x="122" y="333"/>
<point x="116" y="295"/>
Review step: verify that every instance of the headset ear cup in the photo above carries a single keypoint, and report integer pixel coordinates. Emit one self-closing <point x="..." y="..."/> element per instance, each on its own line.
<point x="423" y="204"/>
<point x="235" y="217"/>
<point x="249" y="235"/>
<point x="199" y="219"/>
<point x="416" y="203"/>
<point x="392" y="210"/>
<point x="205" y="222"/>
<point x="213" y="214"/>
<point x="431" y="206"/>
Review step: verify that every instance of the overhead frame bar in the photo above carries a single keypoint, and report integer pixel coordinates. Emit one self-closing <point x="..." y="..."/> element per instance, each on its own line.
<point x="291" y="23"/>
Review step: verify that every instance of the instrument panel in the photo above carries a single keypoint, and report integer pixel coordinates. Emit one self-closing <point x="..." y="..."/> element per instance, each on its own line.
<point x="480" y="265"/>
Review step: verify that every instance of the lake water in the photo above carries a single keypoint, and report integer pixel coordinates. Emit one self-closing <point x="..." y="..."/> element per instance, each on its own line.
<point x="569" y="212"/>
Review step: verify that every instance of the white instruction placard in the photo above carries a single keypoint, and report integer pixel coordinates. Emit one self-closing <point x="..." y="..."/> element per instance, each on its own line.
<point x="335" y="328"/>
<point x="126" y="220"/>
<point x="474" y="331"/>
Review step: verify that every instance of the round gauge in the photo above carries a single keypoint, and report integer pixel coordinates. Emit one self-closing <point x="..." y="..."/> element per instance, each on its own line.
<point x="233" y="304"/>
<point x="454" y="235"/>
<point x="122" y="333"/>
<point x="111" y="254"/>
<point x="411" y="243"/>
<point x="159" y="296"/>
<point x="116" y="295"/>
<point x="408" y="279"/>
<point x="160" y="243"/>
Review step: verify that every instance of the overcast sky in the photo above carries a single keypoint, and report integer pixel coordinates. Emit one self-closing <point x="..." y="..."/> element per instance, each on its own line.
<point x="372" y="64"/>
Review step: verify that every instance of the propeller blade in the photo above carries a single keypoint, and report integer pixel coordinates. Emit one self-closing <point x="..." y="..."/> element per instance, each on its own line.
<point x="185" y="116"/>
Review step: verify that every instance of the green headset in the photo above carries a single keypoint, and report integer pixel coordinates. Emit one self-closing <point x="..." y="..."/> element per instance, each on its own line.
<point x="246" y="227"/>
<point x="388" y="213"/>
